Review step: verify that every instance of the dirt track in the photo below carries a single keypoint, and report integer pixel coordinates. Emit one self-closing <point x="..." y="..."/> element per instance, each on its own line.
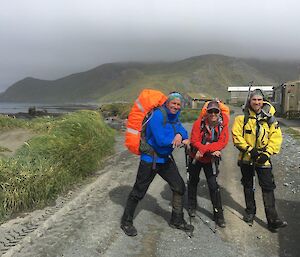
<point x="13" y="139"/>
<point x="86" y="221"/>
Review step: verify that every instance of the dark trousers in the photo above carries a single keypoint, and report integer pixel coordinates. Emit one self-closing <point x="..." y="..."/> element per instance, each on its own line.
<point x="145" y="175"/>
<point x="267" y="184"/>
<point x="214" y="189"/>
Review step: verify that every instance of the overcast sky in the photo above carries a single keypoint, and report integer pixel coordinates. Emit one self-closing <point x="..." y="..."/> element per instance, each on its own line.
<point x="49" y="39"/>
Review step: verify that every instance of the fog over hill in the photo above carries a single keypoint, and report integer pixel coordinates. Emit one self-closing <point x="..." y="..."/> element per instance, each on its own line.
<point x="210" y="74"/>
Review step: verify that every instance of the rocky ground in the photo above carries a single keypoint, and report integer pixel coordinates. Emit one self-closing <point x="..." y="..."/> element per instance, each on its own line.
<point x="85" y="222"/>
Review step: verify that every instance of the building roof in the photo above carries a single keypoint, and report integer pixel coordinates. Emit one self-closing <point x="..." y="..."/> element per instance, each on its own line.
<point x="292" y="82"/>
<point x="245" y="89"/>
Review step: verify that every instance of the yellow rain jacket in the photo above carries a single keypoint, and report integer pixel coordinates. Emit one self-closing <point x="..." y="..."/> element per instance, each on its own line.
<point x="260" y="131"/>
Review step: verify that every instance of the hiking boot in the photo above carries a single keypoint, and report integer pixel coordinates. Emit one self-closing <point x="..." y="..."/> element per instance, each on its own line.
<point x="129" y="229"/>
<point x="248" y="218"/>
<point x="182" y="226"/>
<point x="276" y="224"/>
<point x="219" y="218"/>
<point x="192" y="212"/>
<point x="177" y="221"/>
<point x="220" y="222"/>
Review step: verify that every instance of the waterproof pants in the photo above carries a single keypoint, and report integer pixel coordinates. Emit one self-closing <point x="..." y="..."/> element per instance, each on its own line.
<point x="214" y="189"/>
<point x="145" y="175"/>
<point x="267" y="184"/>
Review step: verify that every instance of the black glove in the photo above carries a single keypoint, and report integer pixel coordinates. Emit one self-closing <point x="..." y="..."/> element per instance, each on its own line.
<point x="262" y="158"/>
<point x="254" y="154"/>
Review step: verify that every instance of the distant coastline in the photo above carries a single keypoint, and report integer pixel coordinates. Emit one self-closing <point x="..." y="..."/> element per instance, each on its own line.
<point x="14" y="108"/>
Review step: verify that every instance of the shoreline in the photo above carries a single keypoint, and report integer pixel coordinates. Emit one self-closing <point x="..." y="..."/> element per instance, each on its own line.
<point x="21" y="109"/>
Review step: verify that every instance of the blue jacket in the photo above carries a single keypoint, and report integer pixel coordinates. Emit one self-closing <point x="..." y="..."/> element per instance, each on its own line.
<point x="160" y="136"/>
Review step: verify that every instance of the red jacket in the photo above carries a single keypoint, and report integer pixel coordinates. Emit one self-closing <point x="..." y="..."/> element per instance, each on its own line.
<point x="201" y="130"/>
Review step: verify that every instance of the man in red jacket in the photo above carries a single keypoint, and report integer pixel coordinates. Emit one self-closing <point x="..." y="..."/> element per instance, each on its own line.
<point x="209" y="136"/>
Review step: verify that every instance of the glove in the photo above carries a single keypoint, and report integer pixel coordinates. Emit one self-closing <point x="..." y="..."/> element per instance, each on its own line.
<point x="254" y="154"/>
<point x="262" y="158"/>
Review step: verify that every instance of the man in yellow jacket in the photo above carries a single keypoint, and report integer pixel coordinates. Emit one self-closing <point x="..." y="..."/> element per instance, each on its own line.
<point x="257" y="136"/>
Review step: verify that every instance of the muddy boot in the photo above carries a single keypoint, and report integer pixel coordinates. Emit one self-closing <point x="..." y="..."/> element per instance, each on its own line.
<point x="192" y="212"/>
<point x="127" y="218"/>
<point x="177" y="221"/>
<point x="250" y="206"/>
<point x="215" y="196"/>
<point x="177" y="203"/>
<point x="249" y="218"/>
<point x="219" y="218"/>
<point x="274" y="223"/>
<point x="192" y="200"/>
<point x="129" y="229"/>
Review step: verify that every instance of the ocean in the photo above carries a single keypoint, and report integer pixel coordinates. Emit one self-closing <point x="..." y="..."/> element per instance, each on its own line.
<point x="11" y="108"/>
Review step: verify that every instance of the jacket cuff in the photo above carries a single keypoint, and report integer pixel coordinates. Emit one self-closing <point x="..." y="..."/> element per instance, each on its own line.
<point x="249" y="149"/>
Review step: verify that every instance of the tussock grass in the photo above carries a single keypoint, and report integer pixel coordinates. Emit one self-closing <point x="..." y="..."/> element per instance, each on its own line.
<point x="189" y="115"/>
<point x="116" y="109"/>
<point x="7" y="122"/>
<point x="67" y="149"/>
<point x="122" y="110"/>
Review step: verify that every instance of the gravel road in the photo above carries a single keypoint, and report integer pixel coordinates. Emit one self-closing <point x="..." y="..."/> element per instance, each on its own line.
<point x="85" y="222"/>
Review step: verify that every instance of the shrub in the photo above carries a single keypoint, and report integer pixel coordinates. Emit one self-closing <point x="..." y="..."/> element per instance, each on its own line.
<point x="70" y="148"/>
<point x="116" y="109"/>
<point x="189" y="115"/>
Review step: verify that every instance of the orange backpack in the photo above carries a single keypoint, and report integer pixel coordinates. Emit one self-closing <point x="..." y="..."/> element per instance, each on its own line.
<point x="223" y="108"/>
<point x="146" y="101"/>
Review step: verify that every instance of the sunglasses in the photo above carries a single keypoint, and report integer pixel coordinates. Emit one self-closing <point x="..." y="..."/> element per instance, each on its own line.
<point x="216" y="111"/>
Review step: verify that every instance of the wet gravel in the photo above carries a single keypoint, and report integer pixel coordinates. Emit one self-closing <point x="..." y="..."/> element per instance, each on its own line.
<point x="85" y="222"/>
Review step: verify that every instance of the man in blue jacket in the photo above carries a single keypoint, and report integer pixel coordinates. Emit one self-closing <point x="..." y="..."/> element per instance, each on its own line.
<point x="164" y="132"/>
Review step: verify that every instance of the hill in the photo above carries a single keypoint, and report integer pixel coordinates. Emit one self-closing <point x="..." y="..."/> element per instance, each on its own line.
<point x="210" y="74"/>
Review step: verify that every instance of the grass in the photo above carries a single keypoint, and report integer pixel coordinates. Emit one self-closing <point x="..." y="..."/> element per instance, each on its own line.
<point x="122" y="110"/>
<point x="66" y="150"/>
<point x="116" y="109"/>
<point x="189" y="115"/>
<point x="7" y="122"/>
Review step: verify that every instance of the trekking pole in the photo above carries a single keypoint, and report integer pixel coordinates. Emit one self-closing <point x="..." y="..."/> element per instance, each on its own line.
<point x="250" y="84"/>
<point x="206" y="223"/>
<point x="253" y="161"/>
<point x="215" y="169"/>
<point x="253" y="170"/>
<point x="215" y="165"/>
<point x="249" y="91"/>
<point x="186" y="153"/>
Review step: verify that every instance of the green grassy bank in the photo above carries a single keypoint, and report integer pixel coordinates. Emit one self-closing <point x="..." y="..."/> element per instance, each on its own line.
<point x="65" y="150"/>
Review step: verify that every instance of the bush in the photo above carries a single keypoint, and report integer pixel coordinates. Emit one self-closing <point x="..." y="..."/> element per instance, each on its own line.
<point x="72" y="147"/>
<point x="189" y="115"/>
<point x="116" y="109"/>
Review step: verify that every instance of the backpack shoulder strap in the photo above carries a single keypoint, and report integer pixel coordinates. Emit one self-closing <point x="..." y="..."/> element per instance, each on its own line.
<point x="144" y="146"/>
<point x="246" y="118"/>
<point x="165" y="115"/>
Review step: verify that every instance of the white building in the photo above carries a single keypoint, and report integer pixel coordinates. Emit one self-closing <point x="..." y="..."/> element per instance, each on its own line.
<point x="239" y="94"/>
